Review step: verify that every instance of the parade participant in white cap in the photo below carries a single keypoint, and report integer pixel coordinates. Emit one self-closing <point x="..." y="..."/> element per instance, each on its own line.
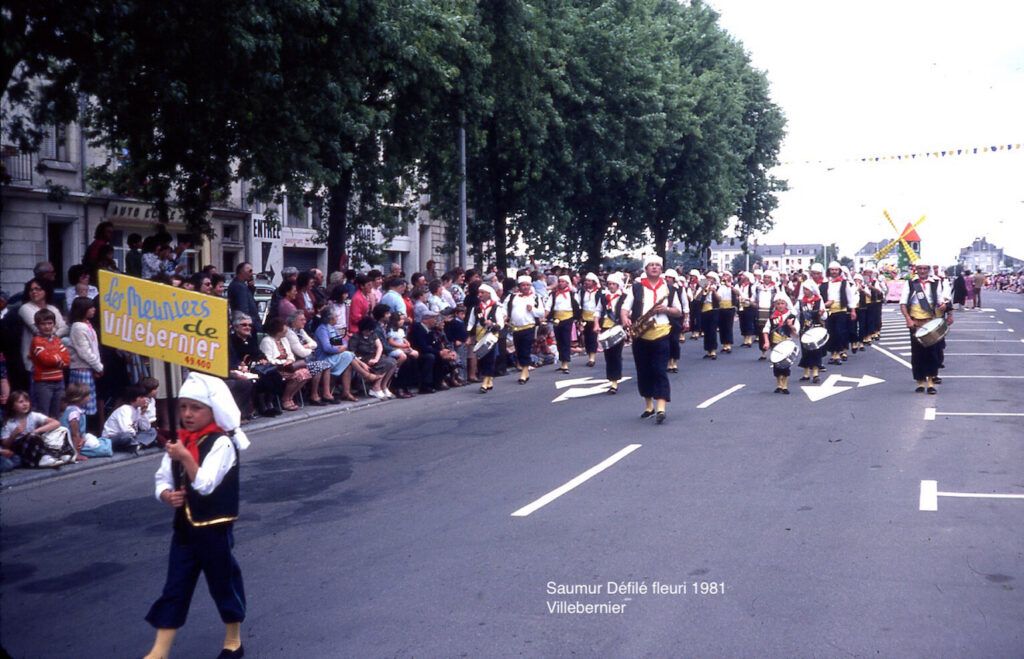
<point x="920" y="302"/>
<point x="693" y="290"/>
<point x="563" y="310"/>
<point x="860" y="337"/>
<point x="764" y="298"/>
<point x="709" y="301"/>
<point x="879" y="291"/>
<point x="524" y="308"/>
<point x="817" y="273"/>
<point x="199" y="477"/>
<point x="650" y="304"/>
<point x="611" y="312"/>
<point x="811" y="313"/>
<point x="674" y="352"/>
<point x="748" y="309"/>
<point x="487" y="317"/>
<point x="946" y="294"/>
<point x="781" y="325"/>
<point x="840" y="298"/>
<point x="728" y="301"/>
<point x="590" y="306"/>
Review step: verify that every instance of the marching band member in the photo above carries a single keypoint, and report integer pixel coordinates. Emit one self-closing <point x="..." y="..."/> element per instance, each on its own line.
<point x="652" y="302"/>
<point x="524" y="308"/>
<point x="693" y="289"/>
<point x="709" y="302"/>
<point x="817" y="274"/>
<point x="611" y="311"/>
<point x="840" y="300"/>
<point x="781" y="325"/>
<point x="791" y="285"/>
<point x="812" y="313"/>
<point x="765" y="295"/>
<point x="946" y="292"/>
<point x="674" y="352"/>
<point x="728" y="300"/>
<point x="487" y="317"/>
<point x="860" y="335"/>
<point x="748" y="311"/>
<point x="920" y="302"/>
<point x="879" y="291"/>
<point x="590" y="307"/>
<point x="563" y="309"/>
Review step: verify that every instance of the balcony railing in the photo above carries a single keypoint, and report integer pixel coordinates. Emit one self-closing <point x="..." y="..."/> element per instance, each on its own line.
<point x="16" y="164"/>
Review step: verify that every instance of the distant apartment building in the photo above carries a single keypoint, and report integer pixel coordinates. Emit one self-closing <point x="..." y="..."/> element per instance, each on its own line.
<point x="786" y="256"/>
<point x="984" y="256"/>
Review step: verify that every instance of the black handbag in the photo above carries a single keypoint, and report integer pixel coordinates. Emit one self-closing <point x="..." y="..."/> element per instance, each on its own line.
<point x="263" y="369"/>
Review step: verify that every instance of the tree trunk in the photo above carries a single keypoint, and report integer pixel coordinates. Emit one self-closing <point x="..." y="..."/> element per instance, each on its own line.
<point x="501" y="239"/>
<point x="337" y="223"/>
<point x="660" y="233"/>
<point x="595" y="244"/>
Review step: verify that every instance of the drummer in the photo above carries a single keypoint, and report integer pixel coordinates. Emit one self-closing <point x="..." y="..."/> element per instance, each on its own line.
<point x="781" y="326"/>
<point x="921" y="302"/>
<point x="610" y="312"/>
<point x="486" y="317"/>
<point x="812" y="314"/>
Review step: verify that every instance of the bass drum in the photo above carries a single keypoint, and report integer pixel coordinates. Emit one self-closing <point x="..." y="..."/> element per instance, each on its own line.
<point x="611" y="337"/>
<point x="815" y="338"/>
<point x="484" y="345"/>
<point x="784" y="354"/>
<point x="931" y="332"/>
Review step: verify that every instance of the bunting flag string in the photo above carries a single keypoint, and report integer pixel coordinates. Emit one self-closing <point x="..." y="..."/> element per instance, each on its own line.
<point x="946" y="153"/>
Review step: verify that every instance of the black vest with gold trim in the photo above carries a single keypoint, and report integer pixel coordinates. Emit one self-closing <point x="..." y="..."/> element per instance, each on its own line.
<point x="219" y="506"/>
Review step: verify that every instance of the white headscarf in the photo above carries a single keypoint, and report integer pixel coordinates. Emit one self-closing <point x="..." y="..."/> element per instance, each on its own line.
<point x="213" y="392"/>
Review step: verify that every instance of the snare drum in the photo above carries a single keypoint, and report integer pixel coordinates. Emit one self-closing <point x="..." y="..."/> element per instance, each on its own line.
<point x="784" y="354"/>
<point x="931" y="332"/>
<point x="815" y="338"/>
<point x="484" y="345"/>
<point x="611" y="337"/>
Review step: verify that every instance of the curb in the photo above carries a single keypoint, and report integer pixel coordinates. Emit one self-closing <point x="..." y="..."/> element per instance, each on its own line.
<point x="22" y="477"/>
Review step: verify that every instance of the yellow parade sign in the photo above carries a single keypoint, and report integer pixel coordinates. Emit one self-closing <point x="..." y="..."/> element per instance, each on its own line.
<point x="160" y="321"/>
<point x="901" y="239"/>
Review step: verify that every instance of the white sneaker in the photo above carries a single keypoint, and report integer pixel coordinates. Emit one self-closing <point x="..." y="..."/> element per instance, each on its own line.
<point x="389" y="394"/>
<point x="379" y="395"/>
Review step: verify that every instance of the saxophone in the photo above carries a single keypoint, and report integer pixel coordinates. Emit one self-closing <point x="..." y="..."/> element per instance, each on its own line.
<point x="645" y="321"/>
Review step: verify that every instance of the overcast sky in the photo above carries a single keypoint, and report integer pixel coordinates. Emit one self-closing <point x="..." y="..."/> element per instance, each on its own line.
<point x="876" y="78"/>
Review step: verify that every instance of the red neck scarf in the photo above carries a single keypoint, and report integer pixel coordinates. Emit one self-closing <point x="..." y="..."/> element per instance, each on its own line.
<point x="191" y="439"/>
<point x="836" y="280"/>
<point x="810" y="297"/>
<point x="653" y="287"/>
<point x="778" y="316"/>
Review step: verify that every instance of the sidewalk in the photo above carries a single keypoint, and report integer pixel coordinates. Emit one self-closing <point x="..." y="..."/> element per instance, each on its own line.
<point x="19" y="477"/>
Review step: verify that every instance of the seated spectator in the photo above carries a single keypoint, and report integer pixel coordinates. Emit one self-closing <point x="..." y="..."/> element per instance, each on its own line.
<point x="436" y="301"/>
<point x="304" y="347"/>
<point x="26" y="438"/>
<point x="369" y="349"/>
<point x="87" y="444"/>
<point x="435" y="361"/>
<point x="80" y="285"/>
<point x="402" y="352"/>
<point x="49" y="359"/>
<point x="336" y="302"/>
<point x="247" y="362"/>
<point x="455" y="332"/>
<point x="127" y="428"/>
<point x="332" y="345"/>
<point x="393" y="298"/>
<point x="275" y="347"/>
<point x="288" y="294"/>
<point x="38" y="295"/>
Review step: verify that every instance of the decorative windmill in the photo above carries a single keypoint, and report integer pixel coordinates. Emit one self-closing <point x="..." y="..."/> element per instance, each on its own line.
<point x="903" y="239"/>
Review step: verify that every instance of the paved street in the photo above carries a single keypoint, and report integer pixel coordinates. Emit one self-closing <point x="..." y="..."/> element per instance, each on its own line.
<point x="774" y="525"/>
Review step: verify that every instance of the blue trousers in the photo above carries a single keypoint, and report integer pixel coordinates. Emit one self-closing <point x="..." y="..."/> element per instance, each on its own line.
<point x="613" y="362"/>
<point x="651" y="359"/>
<point x="563" y="339"/>
<point x="523" y="340"/>
<point x="205" y="550"/>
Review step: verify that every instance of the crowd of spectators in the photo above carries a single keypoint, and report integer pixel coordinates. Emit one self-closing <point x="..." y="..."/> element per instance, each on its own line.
<point x="66" y="397"/>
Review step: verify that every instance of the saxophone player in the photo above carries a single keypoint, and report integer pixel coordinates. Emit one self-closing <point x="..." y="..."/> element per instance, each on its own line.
<point x="651" y="302"/>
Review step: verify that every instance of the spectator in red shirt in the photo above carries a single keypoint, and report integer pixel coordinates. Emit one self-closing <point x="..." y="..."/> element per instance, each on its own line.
<point x="49" y="359"/>
<point x="361" y="303"/>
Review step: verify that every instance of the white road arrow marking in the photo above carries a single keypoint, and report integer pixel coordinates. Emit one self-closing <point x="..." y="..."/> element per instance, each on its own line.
<point x="929" y="499"/>
<point x="562" y="384"/>
<point x="829" y="386"/>
<point x="583" y="392"/>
